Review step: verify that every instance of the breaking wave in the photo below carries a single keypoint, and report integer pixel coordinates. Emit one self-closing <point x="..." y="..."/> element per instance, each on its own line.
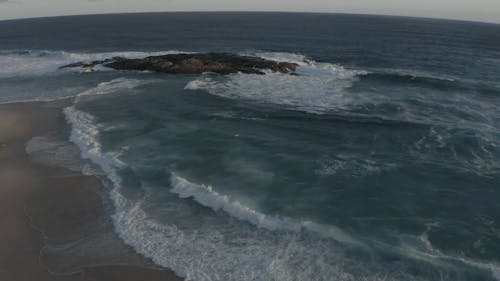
<point x="114" y="86"/>
<point x="208" y="197"/>
<point x="43" y="62"/>
<point x="84" y="133"/>
<point x="317" y="87"/>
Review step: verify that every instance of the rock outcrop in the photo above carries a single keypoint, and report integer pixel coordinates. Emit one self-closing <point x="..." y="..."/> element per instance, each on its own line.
<point x="221" y="63"/>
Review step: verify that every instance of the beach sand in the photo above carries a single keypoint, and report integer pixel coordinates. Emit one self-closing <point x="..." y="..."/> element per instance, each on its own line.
<point x="53" y="222"/>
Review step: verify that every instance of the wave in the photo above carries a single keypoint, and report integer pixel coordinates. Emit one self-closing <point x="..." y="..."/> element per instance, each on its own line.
<point x="84" y="133"/>
<point x="496" y="272"/>
<point x="281" y="57"/>
<point x="206" y="196"/>
<point x="434" y="256"/>
<point x="405" y="75"/>
<point x="406" y="79"/>
<point x="322" y="87"/>
<point x="114" y="86"/>
<point x="352" y="165"/>
<point x="455" y="148"/>
<point x="43" y="62"/>
<point x="317" y="88"/>
<point x="222" y="252"/>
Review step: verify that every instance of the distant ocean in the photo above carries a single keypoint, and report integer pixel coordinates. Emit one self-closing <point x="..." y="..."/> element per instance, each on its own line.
<point x="379" y="161"/>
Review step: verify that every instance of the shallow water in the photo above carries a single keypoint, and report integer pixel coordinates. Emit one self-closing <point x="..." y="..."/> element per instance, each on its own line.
<point x="379" y="161"/>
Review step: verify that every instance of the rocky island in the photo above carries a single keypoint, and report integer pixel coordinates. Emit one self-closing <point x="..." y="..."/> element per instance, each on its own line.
<point x="221" y="63"/>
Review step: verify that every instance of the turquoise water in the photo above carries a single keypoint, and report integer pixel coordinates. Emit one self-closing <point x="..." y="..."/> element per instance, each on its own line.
<point x="379" y="161"/>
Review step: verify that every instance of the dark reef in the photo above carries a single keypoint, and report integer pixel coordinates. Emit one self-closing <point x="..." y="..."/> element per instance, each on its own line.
<point x="221" y="63"/>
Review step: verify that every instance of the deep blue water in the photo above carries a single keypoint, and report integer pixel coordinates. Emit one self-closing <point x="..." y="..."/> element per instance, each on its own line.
<point x="379" y="161"/>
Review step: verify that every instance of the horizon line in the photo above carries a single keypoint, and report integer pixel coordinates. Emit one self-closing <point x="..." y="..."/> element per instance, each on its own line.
<point x="255" y="12"/>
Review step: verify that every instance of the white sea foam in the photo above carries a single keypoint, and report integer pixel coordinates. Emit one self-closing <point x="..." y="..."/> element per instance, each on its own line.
<point x="199" y="255"/>
<point x="40" y="62"/>
<point x="200" y="84"/>
<point x="235" y="115"/>
<point x="496" y="272"/>
<point x="415" y="74"/>
<point x="208" y="197"/>
<point x="281" y="57"/>
<point x="109" y="87"/>
<point x="435" y="256"/>
<point x="84" y="134"/>
<point x="439" y="140"/>
<point x="351" y="165"/>
<point x="113" y="86"/>
<point x="424" y="237"/>
<point x="85" y="131"/>
<point x="317" y="88"/>
<point x="229" y="251"/>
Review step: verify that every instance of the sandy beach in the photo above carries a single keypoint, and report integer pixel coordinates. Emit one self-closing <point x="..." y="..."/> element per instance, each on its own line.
<point x="53" y="223"/>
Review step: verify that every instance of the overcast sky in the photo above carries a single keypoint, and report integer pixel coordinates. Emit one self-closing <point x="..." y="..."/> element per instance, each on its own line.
<point x="480" y="10"/>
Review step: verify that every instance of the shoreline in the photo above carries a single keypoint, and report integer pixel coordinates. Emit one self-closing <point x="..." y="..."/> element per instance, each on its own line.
<point x="53" y="221"/>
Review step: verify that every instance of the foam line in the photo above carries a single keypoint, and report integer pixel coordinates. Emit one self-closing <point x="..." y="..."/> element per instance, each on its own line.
<point x="208" y="197"/>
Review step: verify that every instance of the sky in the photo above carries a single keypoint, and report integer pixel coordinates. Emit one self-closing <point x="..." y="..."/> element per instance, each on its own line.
<point x="477" y="10"/>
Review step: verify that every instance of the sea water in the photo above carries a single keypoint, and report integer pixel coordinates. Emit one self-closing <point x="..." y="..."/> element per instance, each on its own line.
<point x="380" y="160"/>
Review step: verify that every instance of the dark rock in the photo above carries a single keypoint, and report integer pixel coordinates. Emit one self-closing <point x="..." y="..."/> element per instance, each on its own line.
<point x="221" y="63"/>
<point x="88" y="64"/>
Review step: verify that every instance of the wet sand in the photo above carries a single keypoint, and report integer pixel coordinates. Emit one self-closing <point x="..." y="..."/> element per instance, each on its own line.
<point x="53" y="222"/>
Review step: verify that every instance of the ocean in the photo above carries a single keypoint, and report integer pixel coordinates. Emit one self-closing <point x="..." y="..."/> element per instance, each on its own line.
<point x="380" y="160"/>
